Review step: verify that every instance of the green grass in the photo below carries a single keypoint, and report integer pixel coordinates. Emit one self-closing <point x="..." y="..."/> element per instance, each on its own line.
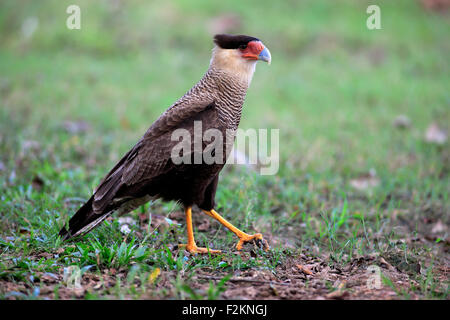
<point x="334" y="89"/>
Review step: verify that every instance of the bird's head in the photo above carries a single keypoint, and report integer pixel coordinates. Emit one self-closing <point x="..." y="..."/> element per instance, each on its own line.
<point x="238" y="54"/>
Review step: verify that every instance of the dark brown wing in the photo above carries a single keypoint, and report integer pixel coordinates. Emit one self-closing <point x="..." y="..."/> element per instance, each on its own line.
<point x="149" y="157"/>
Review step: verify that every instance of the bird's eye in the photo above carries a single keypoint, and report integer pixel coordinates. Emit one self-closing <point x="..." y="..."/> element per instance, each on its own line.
<point x="243" y="46"/>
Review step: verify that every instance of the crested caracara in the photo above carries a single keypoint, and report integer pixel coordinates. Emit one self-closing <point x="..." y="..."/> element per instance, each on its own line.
<point x="148" y="171"/>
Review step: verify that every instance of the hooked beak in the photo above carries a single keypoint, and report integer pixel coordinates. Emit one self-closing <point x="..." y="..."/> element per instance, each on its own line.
<point x="264" y="55"/>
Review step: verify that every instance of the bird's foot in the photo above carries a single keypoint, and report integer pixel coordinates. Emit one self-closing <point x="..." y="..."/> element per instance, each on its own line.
<point x="194" y="249"/>
<point x="256" y="238"/>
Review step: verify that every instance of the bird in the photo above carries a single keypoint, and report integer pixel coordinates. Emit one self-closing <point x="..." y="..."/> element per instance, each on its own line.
<point x="149" y="171"/>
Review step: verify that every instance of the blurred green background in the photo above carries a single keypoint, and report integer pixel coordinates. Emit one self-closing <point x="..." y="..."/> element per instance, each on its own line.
<point x="334" y="87"/>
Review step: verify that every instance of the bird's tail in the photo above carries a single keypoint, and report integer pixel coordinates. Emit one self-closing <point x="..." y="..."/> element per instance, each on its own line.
<point x="83" y="221"/>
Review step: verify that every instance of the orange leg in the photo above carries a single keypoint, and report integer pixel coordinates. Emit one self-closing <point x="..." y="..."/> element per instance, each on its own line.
<point x="191" y="246"/>
<point x="243" y="237"/>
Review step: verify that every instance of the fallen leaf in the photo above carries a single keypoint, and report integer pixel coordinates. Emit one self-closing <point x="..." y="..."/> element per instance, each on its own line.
<point x="79" y="292"/>
<point x="152" y="277"/>
<point x="304" y="269"/>
<point x="75" y="127"/>
<point x="341" y="285"/>
<point x="98" y="285"/>
<point x="250" y="292"/>
<point x="49" y="277"/>
<point x="162" y="222"/>
<point x="177" y="215"/>
<point x="386" y="264"/>
<point x="402" y="122"/>
<point x="204" y="226"/>
<point x="434" y="134"/>
<point x="274" y="290"/>
<point x="439" y="227"/>
<point x="365" y="181"/>
<point x="338" y="294"/>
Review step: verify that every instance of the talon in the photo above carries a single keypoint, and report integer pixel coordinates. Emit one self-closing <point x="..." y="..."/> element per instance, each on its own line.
<point x="263" y="244"/>
<point x="194" y="249"/>
<point x="243" y="237"/>
<point x="257" y="238"/>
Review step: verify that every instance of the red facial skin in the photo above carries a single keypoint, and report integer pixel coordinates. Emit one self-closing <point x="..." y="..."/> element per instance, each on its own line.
<point x="253" y="50"/>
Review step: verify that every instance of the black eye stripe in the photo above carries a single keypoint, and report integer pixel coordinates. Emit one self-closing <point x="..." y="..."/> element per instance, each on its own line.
<point x="228" y="41"/>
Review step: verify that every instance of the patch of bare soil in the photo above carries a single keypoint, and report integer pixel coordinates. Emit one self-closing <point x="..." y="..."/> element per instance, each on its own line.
<point x="300" y="276"/>
<point x="306" y="277"/>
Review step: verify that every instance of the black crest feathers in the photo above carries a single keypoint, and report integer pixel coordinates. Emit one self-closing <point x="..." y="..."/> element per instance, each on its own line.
<point x="229" y="41"/>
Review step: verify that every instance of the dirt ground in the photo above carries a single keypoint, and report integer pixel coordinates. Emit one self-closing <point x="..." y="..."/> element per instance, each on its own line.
<point x="301" y="276"/>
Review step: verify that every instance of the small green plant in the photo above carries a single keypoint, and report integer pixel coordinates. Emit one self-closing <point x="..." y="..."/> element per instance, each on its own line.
<point x="215" y="290"/>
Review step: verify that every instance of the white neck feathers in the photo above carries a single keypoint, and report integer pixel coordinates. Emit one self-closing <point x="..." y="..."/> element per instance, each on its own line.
<point x="230" y="61"/>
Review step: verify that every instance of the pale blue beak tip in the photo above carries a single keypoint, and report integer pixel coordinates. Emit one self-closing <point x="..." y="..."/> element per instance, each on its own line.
<point x="265" y="56"/>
